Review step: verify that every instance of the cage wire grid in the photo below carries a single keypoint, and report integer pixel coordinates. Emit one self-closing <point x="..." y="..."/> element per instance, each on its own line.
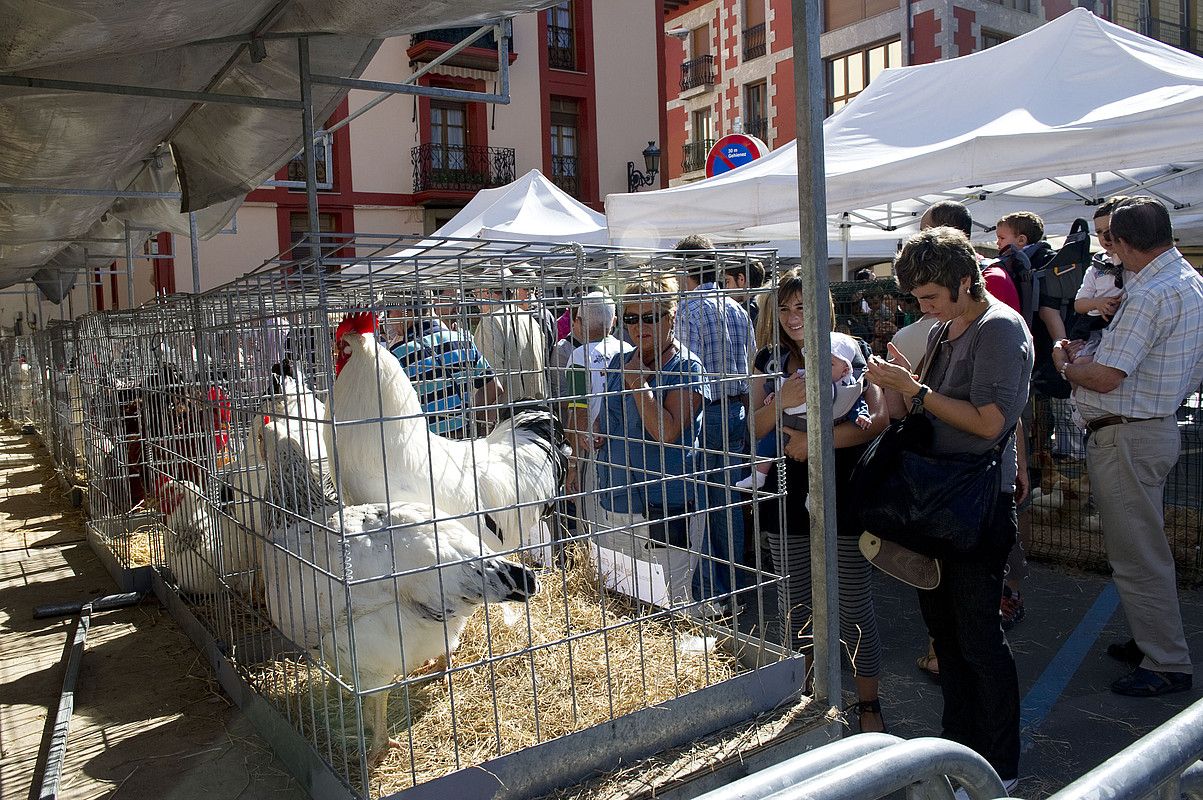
<point x="295" y="515"/>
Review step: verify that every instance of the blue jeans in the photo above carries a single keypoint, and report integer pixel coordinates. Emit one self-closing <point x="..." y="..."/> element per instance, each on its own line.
<point x="977" y="670"/>
<point x="725" y="430"/>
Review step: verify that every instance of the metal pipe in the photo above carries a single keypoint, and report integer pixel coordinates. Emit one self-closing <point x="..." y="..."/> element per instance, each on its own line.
<point x="129" y="266"/>
<point x="57" y="751"/>
<point x="883" y="772"/>
<point x="441" y="58"/>
<point x="1152" y="761"/>
<point x="314" y="224"/>
<point x="105" y="603"/>
<point x="809" y="84"/>
<point x="20" y="82"/>
<point x="801" y="767"/>
<point x="1191" y="783"/>
<point x="51" y="190"/>
<point x="401" y="88"/>
<point x="194" y="246"/>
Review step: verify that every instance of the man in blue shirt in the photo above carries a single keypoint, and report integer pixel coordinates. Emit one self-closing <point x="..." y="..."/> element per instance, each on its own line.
<point x="452" y="379"/>
<point x="717" y="329"/>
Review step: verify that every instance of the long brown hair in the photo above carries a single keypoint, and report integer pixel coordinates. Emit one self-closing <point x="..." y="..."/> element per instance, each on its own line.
<point x="789" y="286"/>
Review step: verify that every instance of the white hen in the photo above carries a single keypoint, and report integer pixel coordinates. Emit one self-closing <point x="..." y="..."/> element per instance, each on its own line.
<point x="387" y="453"/>
<point x="416" y="584"/>
<point x="201" y="543"/>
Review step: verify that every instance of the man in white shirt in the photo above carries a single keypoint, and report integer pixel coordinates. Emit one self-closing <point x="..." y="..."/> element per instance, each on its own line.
<point x="511" y="339"/>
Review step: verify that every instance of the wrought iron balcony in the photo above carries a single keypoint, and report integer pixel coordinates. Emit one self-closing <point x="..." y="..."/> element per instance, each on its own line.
<point x="561" y="48"/>
<point x="461" y="168"/>
<point x="694" y="155"/>
<point x="758" y="127"/>
<point x="697" y="72"/>
<point x="754" y="42"/>
<point x="427" y="45"/>
<point x="565" y="174"/>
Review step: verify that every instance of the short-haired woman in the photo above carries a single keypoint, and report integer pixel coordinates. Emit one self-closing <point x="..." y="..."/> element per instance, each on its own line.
<point x="977" y="386"/>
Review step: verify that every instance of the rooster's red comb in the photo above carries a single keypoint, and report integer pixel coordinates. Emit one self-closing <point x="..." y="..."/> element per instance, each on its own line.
<point x="363" y="322"/>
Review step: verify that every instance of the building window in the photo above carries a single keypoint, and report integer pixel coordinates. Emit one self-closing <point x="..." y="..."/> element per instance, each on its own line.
<point x="561" y="37"/>
<point x="699" y="69"/>
<point x="838" y="13"/>
<point x="298" y="224"/>
<point x="849" y="74"/>
<point x="693" y="157"/>
<point x="1018" y="5"/>
<point x="993" y="38"/>
<point x="322" y="156"/>
<point x="755" y="121"/>
<point x="448" y="134"/>
<point x="565" y="150"/>
<point x="754" y="29"/>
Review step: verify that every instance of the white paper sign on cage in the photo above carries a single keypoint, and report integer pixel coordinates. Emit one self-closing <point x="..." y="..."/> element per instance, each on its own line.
<point x="633" y="577"/>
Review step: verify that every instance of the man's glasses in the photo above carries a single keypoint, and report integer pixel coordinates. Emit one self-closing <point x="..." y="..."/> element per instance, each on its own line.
<point x="1104" y="234"/>
<point x="650" y="318"/>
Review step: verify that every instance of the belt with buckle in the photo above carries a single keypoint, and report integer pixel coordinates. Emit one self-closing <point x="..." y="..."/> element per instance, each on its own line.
<point x="1111" y="419"/>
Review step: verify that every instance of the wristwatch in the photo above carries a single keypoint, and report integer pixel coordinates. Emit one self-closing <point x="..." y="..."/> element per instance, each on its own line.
<point x="917" y="400"/>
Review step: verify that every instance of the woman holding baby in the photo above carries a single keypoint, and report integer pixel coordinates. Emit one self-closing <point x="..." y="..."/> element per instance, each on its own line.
<point x="778" y="381"/>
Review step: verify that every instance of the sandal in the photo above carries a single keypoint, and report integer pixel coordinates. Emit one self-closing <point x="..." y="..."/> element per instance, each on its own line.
<point x="929" y="664"/>
<point x="868" y="707"/>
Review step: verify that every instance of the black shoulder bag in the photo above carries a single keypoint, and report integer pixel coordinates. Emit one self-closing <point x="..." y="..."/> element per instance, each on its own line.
<point x="936" y="505"/>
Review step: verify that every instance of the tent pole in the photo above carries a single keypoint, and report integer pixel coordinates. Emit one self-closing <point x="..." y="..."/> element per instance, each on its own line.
<point x="314" y="227"/>
<point x="812" y="223"/>
<point x="194" y="244"/>
<point x="129" y="266"/>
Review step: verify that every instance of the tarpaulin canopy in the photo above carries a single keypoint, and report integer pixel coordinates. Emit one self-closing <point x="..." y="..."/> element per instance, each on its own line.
<point x="215" y="152"/>
<point x="1050" y="121"/>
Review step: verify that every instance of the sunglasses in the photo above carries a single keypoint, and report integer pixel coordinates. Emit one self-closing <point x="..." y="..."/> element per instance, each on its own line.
<point x="1104" y="235"/>
<point x="650" y="318"/>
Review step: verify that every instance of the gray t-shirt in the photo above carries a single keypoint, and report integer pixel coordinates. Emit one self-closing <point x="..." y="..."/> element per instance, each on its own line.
<point x="991" y="362"/>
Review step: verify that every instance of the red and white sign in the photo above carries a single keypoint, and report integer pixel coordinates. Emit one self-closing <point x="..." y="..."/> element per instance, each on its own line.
<point x="731" y="151"/>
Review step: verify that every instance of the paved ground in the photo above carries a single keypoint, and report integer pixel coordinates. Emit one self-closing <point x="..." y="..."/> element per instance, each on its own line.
<point x="150" y="722"/>
<point x="1073" y="722"/>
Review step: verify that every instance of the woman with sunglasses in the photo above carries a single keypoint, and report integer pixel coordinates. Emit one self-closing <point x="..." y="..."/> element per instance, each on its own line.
<point x="650" y="470"/>
<point x="791" y="547"/>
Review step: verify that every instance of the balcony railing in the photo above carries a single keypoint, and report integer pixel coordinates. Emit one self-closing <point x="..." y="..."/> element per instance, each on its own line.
<point x="694" y="155"/>
<point x="461" y="168"/>
<point x="455" y="36"/>
<point x="697" y="72"/>
<point x="758" y="127"/>
<point x="564" y="174"/>
<point x="754" y="42"/>
<point x="561" y="48"/>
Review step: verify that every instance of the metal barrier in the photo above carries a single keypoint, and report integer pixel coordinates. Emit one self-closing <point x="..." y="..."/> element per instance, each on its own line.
<point x="1163" y="763"/>
<point x="870" y="766"/>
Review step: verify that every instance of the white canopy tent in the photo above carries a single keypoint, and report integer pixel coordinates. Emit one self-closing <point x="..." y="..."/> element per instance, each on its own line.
<point x="530" y="209"/>
<point x="1051" y="122"/>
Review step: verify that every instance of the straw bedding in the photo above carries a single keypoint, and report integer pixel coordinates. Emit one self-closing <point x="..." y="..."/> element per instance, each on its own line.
<point x="579" y="657"/>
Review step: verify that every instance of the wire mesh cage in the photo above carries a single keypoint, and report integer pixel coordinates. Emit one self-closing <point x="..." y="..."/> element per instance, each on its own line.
<point x="431" y="527"/>
<point x="26" y="383"/>
<point x="66" y="407"/>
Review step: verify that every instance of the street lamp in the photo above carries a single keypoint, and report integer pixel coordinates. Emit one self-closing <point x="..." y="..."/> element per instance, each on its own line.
<point x="651" y="163"/>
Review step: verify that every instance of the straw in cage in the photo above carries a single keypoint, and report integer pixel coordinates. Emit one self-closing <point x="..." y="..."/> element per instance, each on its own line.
<point x="580" y="657"/>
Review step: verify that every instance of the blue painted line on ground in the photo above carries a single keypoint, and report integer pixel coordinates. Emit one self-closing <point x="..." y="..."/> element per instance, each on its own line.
<point x="1039" y="700"/>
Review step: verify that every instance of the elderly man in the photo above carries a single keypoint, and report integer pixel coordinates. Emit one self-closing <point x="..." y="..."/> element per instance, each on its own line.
<point x="510" y="336"/>
<point x="1148" y="360"/>
<point x="717" y="329"/>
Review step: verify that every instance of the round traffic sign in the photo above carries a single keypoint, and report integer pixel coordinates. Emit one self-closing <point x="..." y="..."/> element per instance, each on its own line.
<point x="731" y="151"/>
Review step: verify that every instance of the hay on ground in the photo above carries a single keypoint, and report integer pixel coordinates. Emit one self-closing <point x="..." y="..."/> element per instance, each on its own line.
<point x="580" y="657"/>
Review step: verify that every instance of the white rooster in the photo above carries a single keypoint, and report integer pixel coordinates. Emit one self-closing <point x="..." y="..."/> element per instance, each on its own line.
<point x="387" y="453"/>
<point x="416" y="584"/>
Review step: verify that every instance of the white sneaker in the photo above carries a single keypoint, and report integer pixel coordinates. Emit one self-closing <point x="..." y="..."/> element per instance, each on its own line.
<point x="754" y="481"/>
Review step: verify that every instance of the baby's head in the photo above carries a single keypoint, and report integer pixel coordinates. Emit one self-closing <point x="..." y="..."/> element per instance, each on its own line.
<point x="840" y="368"/>
<point x="1018" y="230"/>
